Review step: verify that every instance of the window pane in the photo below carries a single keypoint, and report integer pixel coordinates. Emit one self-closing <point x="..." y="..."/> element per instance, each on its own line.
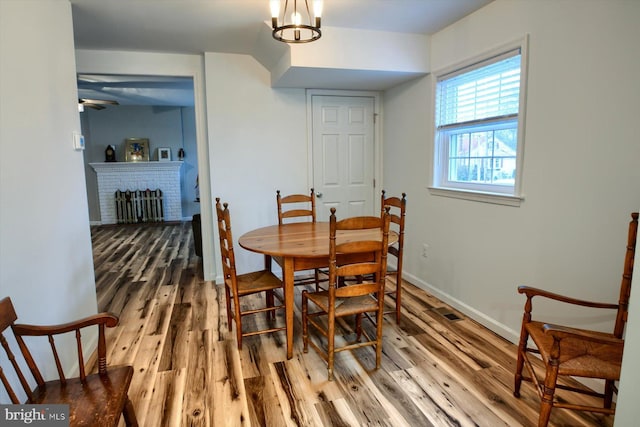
<point x="483" y="156"/>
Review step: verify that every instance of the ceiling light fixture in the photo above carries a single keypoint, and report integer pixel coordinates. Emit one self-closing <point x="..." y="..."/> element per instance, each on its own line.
<point x="292" y="29"/>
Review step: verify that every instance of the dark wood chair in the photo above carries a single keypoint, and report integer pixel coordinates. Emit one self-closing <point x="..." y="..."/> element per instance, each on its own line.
<point x="296" y="207"/>
<point x="94" y="400"/>
<point x="568" y="351"/>
<point x="397" y="212"/>
<point x="242" y="285"/>
<point x="365" y="258"/>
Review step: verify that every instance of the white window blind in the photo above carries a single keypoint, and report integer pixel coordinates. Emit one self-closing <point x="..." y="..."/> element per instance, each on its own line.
<point x="481" y="92"/>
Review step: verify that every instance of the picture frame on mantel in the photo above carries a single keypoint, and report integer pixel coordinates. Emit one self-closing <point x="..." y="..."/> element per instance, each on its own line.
<point x="136" y="150"/>
<point x="164" y="154"/>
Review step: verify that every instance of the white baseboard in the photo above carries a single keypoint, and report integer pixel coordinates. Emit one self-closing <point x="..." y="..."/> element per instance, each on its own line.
<point x="486" y="321"/>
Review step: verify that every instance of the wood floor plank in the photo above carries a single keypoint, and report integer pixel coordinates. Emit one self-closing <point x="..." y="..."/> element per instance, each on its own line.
<point x="165" y="406"/>
<point x="175" y="353"/>
<point x="296" y="398"/>
<point x="205" y="305"/>
<point x="447" y="402"/>
<point x="145" y="368"/>
<point x="366" y="403"/>
<point x="228" y="404"/>
<point x="262" y="400"/>
<point x="395" y="394"/>
<point x="336" y="413"/>
<point x="161" y="309"/>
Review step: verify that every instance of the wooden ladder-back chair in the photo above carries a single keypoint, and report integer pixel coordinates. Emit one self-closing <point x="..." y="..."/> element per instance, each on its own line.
<point x="94" y="400"/>
<point x="366" y="257"/>
<point x="567" y="351"/>
<point x="297" y="211"/>
<point x="398" y="210"/>
<point x="299" y="206"/>
<point x="241" y="285"/>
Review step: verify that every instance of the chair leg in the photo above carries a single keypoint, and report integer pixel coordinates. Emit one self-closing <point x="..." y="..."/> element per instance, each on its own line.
<point x="549" y="390"/>
<point x="518" y="375"/>
<point x="129" y="414"/>
<point x="358" y="327"/>
<point x="269" y="298"/>
<point x="379" y="322"/>
<point x="398" y="297"/>
<point x="522" y="349"/>
<point x="238" y="319"/>
<point x="608" y="393"/>
<point x="305" y="325"/>
<point x="331" y="339"/>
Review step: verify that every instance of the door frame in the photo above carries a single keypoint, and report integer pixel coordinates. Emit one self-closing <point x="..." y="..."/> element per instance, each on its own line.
<point x="377" y="132"/>
<point x="168" y="64"/>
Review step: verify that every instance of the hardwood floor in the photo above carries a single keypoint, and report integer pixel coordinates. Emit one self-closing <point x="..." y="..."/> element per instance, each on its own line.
<point x="188" y="371"/>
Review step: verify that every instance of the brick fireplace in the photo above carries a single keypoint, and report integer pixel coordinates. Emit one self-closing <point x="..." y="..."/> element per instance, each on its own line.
<point x="139" y="176"/>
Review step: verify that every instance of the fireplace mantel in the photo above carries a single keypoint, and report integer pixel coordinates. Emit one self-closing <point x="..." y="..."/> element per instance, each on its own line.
<point x="130" y="166"/>
<point x="113" y="176"/>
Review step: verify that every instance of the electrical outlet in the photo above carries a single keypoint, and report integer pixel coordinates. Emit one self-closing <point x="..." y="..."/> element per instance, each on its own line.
<point x="425" y="250"/>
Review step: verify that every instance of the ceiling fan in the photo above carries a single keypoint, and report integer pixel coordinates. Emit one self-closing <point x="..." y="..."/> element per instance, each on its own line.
<point x="136" y="90"/>
<point x="96" y="104"/>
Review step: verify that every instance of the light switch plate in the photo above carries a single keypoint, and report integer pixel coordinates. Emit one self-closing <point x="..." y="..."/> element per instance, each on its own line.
<point x="78" y="141"/>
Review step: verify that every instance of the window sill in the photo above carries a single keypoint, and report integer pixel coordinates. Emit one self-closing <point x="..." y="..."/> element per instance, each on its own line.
<point x="477" y="196"/>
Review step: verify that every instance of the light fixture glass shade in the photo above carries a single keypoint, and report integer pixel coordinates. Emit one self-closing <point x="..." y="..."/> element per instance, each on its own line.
<point x="296" y="18"/>
<point x="275" y="8"/>
<point x="317" y="8"/>
<point x="296" y="25"/>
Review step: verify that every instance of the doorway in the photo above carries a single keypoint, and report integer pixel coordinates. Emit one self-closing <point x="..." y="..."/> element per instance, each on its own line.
<point x="159" y="109"/>
<point x="164" y="64"/>
<point x="345" y="151"/>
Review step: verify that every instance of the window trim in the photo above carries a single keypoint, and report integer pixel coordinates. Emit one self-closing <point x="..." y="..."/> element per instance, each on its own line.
<point x="510" y="198"/>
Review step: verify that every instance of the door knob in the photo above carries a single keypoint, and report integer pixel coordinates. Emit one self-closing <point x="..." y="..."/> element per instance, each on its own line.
<point x="318" y="195"/>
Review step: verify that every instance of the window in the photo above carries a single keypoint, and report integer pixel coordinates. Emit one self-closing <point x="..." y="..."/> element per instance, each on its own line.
<point x="479" y="116"/>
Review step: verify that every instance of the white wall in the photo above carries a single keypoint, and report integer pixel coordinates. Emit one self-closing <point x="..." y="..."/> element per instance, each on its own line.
<point x="581" y="169"/>
<point x="257" y="143"/>
<point x="46" y="264"/>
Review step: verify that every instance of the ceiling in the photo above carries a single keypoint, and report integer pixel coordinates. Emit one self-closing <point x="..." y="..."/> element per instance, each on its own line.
<point x="227" y="26"/>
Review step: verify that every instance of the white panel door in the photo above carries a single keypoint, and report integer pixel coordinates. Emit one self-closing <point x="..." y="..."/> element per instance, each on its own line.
<point x="343" y="155"/>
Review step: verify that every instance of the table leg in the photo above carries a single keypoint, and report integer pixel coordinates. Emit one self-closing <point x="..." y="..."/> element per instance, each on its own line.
<point x="287" y="274"/>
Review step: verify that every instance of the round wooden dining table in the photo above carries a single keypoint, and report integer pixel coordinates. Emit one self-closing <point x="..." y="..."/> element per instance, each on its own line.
<point x="297" y="247"/>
